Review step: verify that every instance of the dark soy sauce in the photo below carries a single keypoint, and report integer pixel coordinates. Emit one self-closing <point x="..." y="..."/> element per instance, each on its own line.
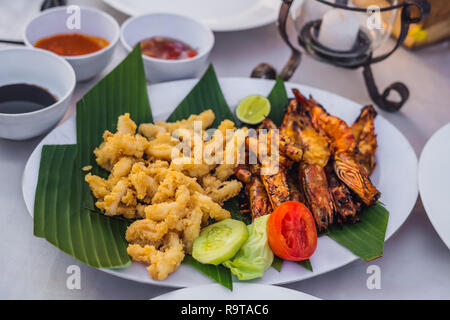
<point x="23" y="98"/>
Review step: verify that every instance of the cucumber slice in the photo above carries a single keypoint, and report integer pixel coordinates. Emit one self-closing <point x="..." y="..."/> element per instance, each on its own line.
<point x="220" y="241"/>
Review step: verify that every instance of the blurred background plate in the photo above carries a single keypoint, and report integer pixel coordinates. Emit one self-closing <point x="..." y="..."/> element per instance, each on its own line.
<point x="434" y="181"/>
<point x="241" y="291"/>
<point x="219" y="15"/>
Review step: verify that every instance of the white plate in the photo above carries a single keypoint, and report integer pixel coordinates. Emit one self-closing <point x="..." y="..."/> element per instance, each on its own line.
<point x="395" y="175"/>
<point x="261" y="13"/>
<point x="434" y="177"/>
<point x="241" y="291"/>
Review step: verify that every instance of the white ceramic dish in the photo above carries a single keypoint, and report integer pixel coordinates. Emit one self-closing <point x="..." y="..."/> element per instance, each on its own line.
<point x="434" y="177"/>
<point x="241" y="291"/>
<point x="31" y="66"/>
<point x="174" y="26"/>
<point x="219" y="15"/>
<point x="93" y="22"/>
<point x="396" y="170"/>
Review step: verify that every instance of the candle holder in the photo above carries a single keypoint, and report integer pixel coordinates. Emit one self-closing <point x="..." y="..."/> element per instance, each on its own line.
<point x="326" y="31"/>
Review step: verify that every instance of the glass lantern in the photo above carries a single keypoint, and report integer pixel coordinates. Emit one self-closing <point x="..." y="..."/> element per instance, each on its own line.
<point x="347" y="34"/>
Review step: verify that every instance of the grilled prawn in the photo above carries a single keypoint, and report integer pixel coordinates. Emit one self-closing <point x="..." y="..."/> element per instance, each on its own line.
<point x="346" y="167"/>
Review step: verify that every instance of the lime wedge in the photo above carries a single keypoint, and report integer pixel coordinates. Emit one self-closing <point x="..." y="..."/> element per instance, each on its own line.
<point x="253" y="109"/>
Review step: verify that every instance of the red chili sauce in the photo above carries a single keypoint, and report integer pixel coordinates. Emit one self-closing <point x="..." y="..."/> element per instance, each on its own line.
<point x="167" y="48"/>
<point x="72" y="44"/>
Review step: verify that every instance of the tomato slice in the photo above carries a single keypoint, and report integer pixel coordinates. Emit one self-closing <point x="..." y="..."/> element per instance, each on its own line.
<point x="292" y="231"/>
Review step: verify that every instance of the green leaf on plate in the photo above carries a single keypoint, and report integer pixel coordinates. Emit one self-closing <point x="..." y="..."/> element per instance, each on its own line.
<point x="232" y="205"/>
<point x="59" y="215"/>
<point x="206" y="94"/>
<point x="305" y="264"/>
<point x="365" y="238"/>
<point x="278" y="101"/>
<point x="219" y="273"/>
<point x="277" y="264"/>
<point x="123" y="90"/>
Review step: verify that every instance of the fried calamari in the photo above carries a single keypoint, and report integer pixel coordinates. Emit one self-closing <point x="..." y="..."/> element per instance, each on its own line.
<point x="155" y="178"/>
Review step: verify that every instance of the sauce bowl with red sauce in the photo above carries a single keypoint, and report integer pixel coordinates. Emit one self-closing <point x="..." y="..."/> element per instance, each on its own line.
<point x="88" y="48"/>
<point x="173" y="46"/>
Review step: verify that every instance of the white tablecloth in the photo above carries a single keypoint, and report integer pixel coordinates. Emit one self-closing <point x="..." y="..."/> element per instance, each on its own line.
<point x="415" y="264"/>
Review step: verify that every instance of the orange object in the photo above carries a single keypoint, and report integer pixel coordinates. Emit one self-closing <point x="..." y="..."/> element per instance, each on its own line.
<point x="292" y="231"/>
<point x="71" y="44"/>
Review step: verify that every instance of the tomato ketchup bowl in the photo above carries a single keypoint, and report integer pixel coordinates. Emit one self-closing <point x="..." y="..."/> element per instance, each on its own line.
<point x="71" y="32"/>
<point x="180" y="45"/>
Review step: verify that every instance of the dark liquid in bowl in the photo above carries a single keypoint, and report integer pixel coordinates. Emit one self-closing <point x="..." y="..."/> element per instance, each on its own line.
<point x="23" y="98"/>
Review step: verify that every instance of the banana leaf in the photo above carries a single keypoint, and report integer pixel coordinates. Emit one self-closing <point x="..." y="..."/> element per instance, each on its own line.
<point x="365" y="238"/>
<point x="278" y="101"/>
<point x="206" y="94"/>
<point x="219" y="273"/>
<point x="59" y="215"/>
<point x="123" y="90"/>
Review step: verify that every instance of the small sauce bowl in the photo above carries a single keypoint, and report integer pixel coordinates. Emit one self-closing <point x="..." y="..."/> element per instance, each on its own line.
<point x="190" y="31"/>
<point x="40" y="68"/>
<point x="93" y="22"/>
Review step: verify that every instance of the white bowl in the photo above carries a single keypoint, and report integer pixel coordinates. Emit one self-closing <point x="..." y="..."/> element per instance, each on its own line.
<point x="41" y="68"/>
<point x="186" y="29"/>
<point x="92" y="22"/>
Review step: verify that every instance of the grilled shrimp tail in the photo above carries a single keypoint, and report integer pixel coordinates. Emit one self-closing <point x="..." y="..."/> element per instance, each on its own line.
<point x="267" y="124"/>
<point x="243" y="173"/>
<point x="348" y="171"/>
<point x="342" y="197"/>
<point x="292" y="150"/>
<point x="258" y="198"/>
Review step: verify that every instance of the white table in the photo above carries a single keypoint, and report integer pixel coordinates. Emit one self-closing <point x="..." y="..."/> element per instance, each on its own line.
<point x="415" y="265"/>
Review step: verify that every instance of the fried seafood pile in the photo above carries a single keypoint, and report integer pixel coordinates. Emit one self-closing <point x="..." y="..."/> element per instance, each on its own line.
<point x="171" y="195"/>
<point x="323" y="163"/>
